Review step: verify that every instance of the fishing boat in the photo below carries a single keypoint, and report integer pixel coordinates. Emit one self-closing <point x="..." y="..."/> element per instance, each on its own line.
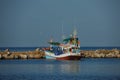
<point x="69" y="49"/>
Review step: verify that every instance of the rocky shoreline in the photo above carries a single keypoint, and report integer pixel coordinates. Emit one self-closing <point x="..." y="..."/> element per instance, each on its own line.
<point x="101" y="53"/>
<point x="36" y="54"/>
<point x="39" y="54"/>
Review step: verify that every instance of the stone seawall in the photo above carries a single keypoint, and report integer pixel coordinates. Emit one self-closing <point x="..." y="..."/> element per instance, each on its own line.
<point x="101" y="53"/>
<point x="36" y="54"/>
<point x="39" y="54"/>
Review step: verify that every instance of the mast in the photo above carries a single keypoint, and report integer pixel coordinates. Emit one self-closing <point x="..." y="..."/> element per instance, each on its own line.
<point x="63" y="36"/>
<point x="51" y="40"/>
<point x="75" y="33"/>
<point x="76" y="41"/>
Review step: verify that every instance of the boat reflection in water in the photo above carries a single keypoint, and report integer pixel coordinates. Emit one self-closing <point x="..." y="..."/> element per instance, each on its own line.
<point x="67" y="67"/>
<point x="71" y="67"/>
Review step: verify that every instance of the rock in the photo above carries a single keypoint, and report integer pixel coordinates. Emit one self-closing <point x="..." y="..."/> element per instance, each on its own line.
<point x="30" y="56"/>
<point x="37" y="56"/>
<point x="16" y="57"/>
<point x="37" y="49"/>
<point x="118" y="56"/>
<point x="7" y="50"/>
<point x="4" y="56"/>
<point x="110" y="55"/>
<point x="22" y="56"/>
<point x="0" y="56"/>
<point x="117" y="51"/>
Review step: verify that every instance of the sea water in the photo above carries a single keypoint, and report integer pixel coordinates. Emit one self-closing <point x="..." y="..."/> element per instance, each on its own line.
<point x="43" y="69"/>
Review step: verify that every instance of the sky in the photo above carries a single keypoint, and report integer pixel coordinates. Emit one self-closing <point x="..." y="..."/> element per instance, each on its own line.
<point x="32" y="23"/>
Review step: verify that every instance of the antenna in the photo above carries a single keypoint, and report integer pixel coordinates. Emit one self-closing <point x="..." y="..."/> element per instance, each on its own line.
<point x="75" y="31"/>
<point x="63" y="36"/>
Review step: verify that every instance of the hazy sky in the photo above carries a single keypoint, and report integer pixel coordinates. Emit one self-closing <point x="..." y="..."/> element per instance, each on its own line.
<point x="29" y="23"/>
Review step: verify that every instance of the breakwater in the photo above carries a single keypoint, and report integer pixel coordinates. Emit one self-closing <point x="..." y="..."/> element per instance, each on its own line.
<point x="36" y="54"/>
<point x="101" y="53"/>
<point x="39" y="54"/>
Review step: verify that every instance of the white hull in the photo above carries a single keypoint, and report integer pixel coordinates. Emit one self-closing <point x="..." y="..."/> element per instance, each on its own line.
<point x="50" y="55"/>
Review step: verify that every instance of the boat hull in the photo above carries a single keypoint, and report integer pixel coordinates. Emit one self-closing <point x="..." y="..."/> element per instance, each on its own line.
<point x="67" y="56"/>
<point x="70" y="57"/>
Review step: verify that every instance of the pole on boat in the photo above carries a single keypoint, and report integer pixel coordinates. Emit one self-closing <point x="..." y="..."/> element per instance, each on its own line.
<point x="63" y="36"/>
